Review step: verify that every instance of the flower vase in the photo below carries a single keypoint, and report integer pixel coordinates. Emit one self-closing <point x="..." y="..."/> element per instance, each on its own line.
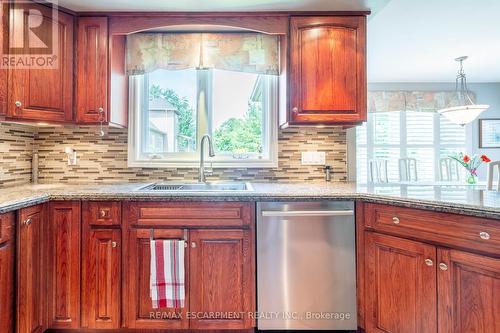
<point x="471" y="179"/>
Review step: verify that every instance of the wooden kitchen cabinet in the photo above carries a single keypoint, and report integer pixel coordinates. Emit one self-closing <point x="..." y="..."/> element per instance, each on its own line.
<point x="43" y="94"/>
<point x="7" y="269"/>
<point x="468" y="292"/>
<point x="101" y="264"/>
<point x="400" y="285"/>
<point x="137" y="307"/>
<point x="4" y="74"/>
<point x="31" y="270"/>
<point x="327" y="82"/>
<point x="92" y="70"/>
<point x="101" y="278"/>
<point x="63" y="264"/>
<point x="222" y="278"/>
<point x="419" y="280"/>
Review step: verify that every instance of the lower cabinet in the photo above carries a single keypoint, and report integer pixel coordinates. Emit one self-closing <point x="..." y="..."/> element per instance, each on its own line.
<point x="31" y="270"/>
<point x="137" y="307"/>
<point x="101" y="278"/>
<point x="221" y="276"/>
<point x="415" y="287"/>
<point x="101" y="265"/>
<point x="63" y="264"/>
<point x="7" y="269"/>
<point x="219" y="280"/>
<point x="400" y="285"/>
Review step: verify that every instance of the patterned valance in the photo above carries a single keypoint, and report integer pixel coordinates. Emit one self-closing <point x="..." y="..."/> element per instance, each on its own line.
<point x="425" y="101"/>
<point x="242" y="52"/>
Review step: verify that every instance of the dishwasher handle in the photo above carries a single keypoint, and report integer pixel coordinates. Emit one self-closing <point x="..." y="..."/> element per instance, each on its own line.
<point x="306" y="213"/>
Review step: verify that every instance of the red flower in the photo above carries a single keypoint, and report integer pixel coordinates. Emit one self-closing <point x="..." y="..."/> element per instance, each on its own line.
<point x="485" y="158"/>
<point x="466" y="159"/>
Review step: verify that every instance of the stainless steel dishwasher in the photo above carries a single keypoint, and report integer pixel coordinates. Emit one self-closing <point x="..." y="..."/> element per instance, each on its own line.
<point x="306" y="266"/>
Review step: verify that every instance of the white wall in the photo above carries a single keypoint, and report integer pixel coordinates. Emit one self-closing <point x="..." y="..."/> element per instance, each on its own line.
<point x="486" y="93"/>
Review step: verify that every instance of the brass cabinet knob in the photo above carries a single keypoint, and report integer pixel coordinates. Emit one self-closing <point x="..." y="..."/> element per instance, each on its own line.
<point x="100" y="110"/>
<point x="443" y="266"/>
<point x="429" y="262"/>
<point x="114" y="244"/>
<point x="395" y="220"/>
<point x="193" y="245"/>
<point x="295" y="110"/>
<point x="102" y="212"/>
<point x="28" y="221"/>
<point x="18" y="104"/>
<point x="484" y="235"/>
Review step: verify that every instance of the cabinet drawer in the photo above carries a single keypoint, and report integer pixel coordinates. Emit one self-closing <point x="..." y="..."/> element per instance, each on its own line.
<point x="449" y="229"/>
<point x="189" y="214"/>
<point x="101" y="212"/>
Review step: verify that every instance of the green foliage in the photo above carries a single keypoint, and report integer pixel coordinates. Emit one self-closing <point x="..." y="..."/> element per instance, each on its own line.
<point x="187" y="125"/>
<point x="241" y="135"/>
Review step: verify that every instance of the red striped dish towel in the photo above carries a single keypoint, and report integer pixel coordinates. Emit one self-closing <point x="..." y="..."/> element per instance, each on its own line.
<point x="167" y="273"/>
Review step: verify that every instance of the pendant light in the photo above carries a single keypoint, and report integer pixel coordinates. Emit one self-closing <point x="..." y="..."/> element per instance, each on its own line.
<point x="466" y="111"/>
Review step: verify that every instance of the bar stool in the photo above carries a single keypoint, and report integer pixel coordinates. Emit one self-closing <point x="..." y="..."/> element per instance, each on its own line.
<point x="408" y="169"/>
<point x="491" y="170"/>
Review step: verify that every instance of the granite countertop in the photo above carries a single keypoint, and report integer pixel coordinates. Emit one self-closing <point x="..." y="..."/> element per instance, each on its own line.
<point x="468" y="200"/>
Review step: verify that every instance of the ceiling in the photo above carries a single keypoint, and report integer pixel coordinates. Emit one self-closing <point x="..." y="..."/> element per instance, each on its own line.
<point x="417" y="40"/>
<point x="408" y="40"/>
<point x="221" y="5"/>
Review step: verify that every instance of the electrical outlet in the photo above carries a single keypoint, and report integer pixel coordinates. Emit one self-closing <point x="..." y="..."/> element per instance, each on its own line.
<point x="313" y="158"/>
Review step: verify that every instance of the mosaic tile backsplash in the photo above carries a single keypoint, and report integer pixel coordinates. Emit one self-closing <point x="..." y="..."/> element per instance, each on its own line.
<point x="16" y="150"/>
<point x="104" y="160"/>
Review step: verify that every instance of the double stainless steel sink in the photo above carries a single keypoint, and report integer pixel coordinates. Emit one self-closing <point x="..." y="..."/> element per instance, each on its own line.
<point x="197" y="187"/>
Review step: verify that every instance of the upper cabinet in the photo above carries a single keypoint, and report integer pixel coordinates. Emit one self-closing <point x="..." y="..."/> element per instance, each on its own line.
<point x="45" y="92"/>
<point x="92" y="69"/>
<point x="327" y="82"/>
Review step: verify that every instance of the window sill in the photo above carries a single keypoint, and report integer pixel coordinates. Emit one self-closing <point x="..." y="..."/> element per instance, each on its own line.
<point x="196" y="164"/>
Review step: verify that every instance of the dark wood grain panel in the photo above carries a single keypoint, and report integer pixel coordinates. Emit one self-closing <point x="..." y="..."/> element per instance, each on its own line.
<point x="468" y="293"/>
<point x="222" y="280"/>
<point x="189" y="214"/>
<point x="137" y="306"/>
<point x="460" y="231"/>
<point x="101" y="278"/>
<point x="400" y="289"/>
<point x="102" y="213"/>
<point x="45" y="94"/>
<point x="92" y="69"/>
<point x="31" y="294"/>
<point x="7" y="270"/>
<point x="63" y="264"/>
<point x="327" y="70"/>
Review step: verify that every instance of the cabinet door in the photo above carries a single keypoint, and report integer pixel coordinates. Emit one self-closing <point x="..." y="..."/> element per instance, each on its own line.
<point x="222" y="278"/>
<point x="92" y="69"/>
<point x="137" y="307"/>
<point x="31" y="272"/>
<point x="327" y="70"/>
<point x="43" y="94"/>
<point x="63" y="254"/>
<point x="4" y="34"/>
<point x="468" y="292"/>
<point x="400" y="285"/>
<point x="101" y="278"/>
<point x="7" y="295"/>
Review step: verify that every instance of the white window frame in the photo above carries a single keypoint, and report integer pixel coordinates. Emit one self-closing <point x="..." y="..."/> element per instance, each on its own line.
<point x="403" y="145"/>
<point x="138" y="88"/>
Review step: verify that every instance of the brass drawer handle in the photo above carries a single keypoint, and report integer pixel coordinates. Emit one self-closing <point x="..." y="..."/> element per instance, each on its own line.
<point x="443" y="266"/>
<point x="429" y="262"/>
<point x="484" y="235"/>
<point x="395" y="220"/>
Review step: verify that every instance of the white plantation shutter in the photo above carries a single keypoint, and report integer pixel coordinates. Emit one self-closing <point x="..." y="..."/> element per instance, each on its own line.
<point x="392" y="134"/>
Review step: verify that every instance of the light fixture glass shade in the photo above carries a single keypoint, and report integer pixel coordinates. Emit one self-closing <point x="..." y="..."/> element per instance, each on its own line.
<point x="464" y="114"/>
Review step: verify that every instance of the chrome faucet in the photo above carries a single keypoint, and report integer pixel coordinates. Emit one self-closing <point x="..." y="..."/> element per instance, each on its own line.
<point x="201" y="176"/>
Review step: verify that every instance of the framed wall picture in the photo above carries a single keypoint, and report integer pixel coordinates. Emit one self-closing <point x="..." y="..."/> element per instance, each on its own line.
<point x="489" y="133"/>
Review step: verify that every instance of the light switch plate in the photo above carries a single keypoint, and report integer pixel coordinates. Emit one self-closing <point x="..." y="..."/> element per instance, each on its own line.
<point x="313" y="158"/>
